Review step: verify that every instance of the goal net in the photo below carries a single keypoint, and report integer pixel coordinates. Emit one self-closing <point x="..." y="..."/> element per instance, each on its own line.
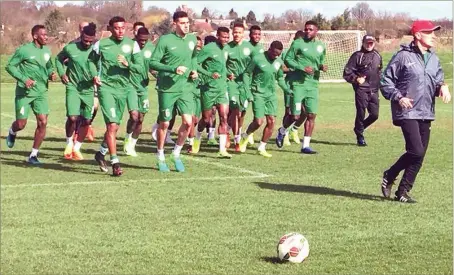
<point x="339" y="47"/>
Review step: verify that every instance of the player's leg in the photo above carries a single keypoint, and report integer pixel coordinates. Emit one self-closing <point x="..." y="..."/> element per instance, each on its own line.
<point x="211" y="128"/>
<point x="270" y="115"/>
<point x="311" y="107"/>
<point x="166" y="103"/>
<point x="132" y="102"/>
<point x="287" y="116"/>
<point x="144" y="106"/>
<point x="258" y="108"/>
<point x="361" y="105"/>
<point x="207" y="103"/>
<point x="222" y="104"/>
<point x="87" y="103"/>
<point x="234" y="110"/>
<point x="91" y="131"/>
<point x="40" y="107"/>
<point x="373" y="109"/>
<point x="185" y="106"/>
<point x="195" y="120"/>
<point x="22" y="107"/>
<point x="73" y="110"/>
<point x="295" y="111"/>
<point x="171" y="124"/>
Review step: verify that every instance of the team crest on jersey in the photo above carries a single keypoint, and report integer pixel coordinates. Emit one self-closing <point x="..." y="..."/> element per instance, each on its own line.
<point x="262" y="51"/>
<point x="320" y="48"/>
<point x="277" y="65"/>
<point x="46" y="57"/>
<point x="126" y="48"/>
<point x="147" y="54"/>
<point x="191" y="45"/>
<point x="246" y="51"/>
<point x="226" y="55"/>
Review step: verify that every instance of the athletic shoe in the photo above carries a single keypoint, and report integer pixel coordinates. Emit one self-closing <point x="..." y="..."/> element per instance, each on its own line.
<point x="361" y="142"/>
<point x="68" y="154"/>
<point x="251" y="139"/>
<point x="100" y="159"/>
<point x="287" y="140"/>
<point x="243" y="144"/>
<point x="212" y="141"/>
<point x="196" y="145"/>
<point x="265" y="153"/>
<point x="280" y="138"/>
<point x="224" y="155"/>
<point x="130" y="151"/>
<point x="169" y="139"/>
<point x="237" y="148"/>
<point x="308" y="150"/>
<point x="33" y="160"/>
<point x="386" y="185"/>
<point x="404" y="198"/>
<point x="116" y="170"/>
<point x="162" y="166"/>
<point x="77" y="155"/>
<point x="154" y="130"/>
<point x="179" y="166"/>
<point x="10" y="140"/>
<point x="294" y="136"/>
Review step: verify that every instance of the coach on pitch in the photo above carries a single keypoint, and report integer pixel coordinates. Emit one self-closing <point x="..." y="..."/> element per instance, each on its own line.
<point x="363" y="71"/>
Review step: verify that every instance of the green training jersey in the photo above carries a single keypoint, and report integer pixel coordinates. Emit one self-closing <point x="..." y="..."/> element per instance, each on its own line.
<point x="263" y="73"/>
<point x="258" y="48"/>
<point x="141" y="79"/>
<point x="303" y="53"/>
<point x="212" y="59"/>
<point x="77" y="66"/>
<point x="31" y="62"/>
<point x="239" y="56"/>
<point x="104" y="58"/>
<point x="171" y="52"/>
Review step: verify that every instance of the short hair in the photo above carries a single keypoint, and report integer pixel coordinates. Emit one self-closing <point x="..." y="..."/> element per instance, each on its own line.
<point x="143" y="31"/>
<point x="138" y="24"/>
<point x="90" y="30"/>
<point x="238" y="25"/>
<point x="222" y="29"/>
<point x="255" y="28"/>
<point x="209" y="39"/>
<point x="311" y="22"/>
<point x="199" y="38"/>
<point x="299" y="34"/>
<point x="116" y="19"/>
<point x="179" y="14"/>
<point x="36" y="28"/>
<point x="277" y="45"/>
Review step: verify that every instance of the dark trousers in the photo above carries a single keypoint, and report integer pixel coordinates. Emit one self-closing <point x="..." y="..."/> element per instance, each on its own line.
<point x="417" y="135"/>
<point x="365" y="101"/>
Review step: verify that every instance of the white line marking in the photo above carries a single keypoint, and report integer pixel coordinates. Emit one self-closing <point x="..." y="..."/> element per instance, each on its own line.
<point x="133" y="181"/>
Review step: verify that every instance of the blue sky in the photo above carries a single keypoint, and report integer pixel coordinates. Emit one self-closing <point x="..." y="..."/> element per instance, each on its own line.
<point x="417" y="9"/>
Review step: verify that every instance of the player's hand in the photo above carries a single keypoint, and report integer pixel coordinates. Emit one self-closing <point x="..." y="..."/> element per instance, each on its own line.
<point x="154" y="73"/>
<point x="215" y="75"/>
<point x="65" y="62"/>
<point x="309" y="70"/>
<point x="64" y="79"/>
<point x="122" y="60"/>
<point x="445" y="94"/>
<point x="53" y="76"/>
<point x="97" y="80"/>
<point x="194" y="75"/>
<point x="361" y="79"/>
<point x="324" y="67"/>
<point x="29" y="83"/>
<point x="231" y="77"/>
<point x="406" y="103"/>
<point x="181" y="70"/>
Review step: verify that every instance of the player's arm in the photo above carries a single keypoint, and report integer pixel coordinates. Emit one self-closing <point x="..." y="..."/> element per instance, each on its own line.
<point x="60" y="62"/>
<point x="390" y="78"/>
<point x="11" y="67"/>
<point x="202" y="56"/>
<point x="156" y="58"/>
<point x="350" y="69"/>
<point x="281" y="82"/>
<point x="93" y="60"/>
<point x="323" y="66"/>
<point x="290" y="58"/>
<point x="248" y="75"/>
<point x="136" y="65"/>
<point x="439" y="79"/>
<point x="50" y="70"/>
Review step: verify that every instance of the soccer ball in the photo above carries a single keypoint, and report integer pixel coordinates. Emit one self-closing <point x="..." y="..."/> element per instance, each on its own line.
<point x="293" y="247"/>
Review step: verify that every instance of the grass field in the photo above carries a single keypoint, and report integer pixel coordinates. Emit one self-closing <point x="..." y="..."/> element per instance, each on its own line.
<point x="226" y="216"/>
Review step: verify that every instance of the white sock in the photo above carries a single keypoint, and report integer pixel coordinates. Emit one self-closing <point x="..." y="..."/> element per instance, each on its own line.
<point x="69" y="140"/>
<point x="211" y="133"/>
<point x="240" y="131"/>
<point x="128" y="136"/>
<point x="34" y="152"/>
<point x="177" y="150"/>
<point x="77" y="146"/>
<point x="191" y="141"/>
<point x="306" y="141"/>
<point x="198" y="135"/>
<point x="103" y="150"/>
<point x="168" y="134"/>
<point x="133" y="142"/>
<point x="115" y="160"/>
<point x="12" y="132"/>
<point x="244" y="135"/>
<point x="222" y="142"/>
<point x="237" y="139"/>
<point x="161" y="156"/>
<point x="262" y="146"/>
<point x="283" y="131"/>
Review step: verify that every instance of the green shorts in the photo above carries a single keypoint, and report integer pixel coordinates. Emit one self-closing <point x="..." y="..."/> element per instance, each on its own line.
<point x="144" y="103"/>
<point x="214" y="98"/>
<point x="132" y="101"/>
<point x="39" y="105"/>
<point x="238" y="96"/>
<point x="306" y="97"/>
<point x="138" y="101"/>
<point x="112" y="104"/>
<point x="183" y="102"/>
<point x="197" y="105"/>
<point x="79" y="102"/>
<point x="264" y="105"/>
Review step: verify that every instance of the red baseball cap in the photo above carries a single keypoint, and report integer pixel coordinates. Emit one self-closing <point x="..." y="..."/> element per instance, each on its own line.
<point x="424" y="25"/>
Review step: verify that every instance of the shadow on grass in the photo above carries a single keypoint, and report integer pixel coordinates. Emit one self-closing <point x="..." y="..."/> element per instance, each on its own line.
<point x="272" y="260"/>
<point x="318" y="190"/>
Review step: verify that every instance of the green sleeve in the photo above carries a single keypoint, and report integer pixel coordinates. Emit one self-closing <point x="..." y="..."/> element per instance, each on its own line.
<point x="49" y="67"/>
<point x="59" y="62"/>
<point x="156" y="57"/>
<point x="137" y="60"/>
<point x="290" y="59"/>
<point x="94" y="60"/>
<point x="248" y="74"/>
<point x="11" y="67"/>
<point x="322" y="57"/>
<point x="201" y="57"/>
<point x="281" y="82"/>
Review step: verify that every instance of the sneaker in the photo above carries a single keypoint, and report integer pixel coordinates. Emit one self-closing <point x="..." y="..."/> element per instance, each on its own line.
<point x="116" y="170"/>
<point x="196" y="145"/>
<point x="224" y="155"/>
<point x="130" y="151"/>
<point x="227" y="143"/>
<point x="287" y="140"/>
<point x="212" y="141"/>
<point x="100" y="159"/>
<point x="386" y="185"/>
<point x="90" y="134"/>
<point x="77" y="155"/>
<point x="154" y="130"/>
<point x="308" y="150"/>
<point x="250" y="139"/>
<point x="125" y="144"/>
<point x="189" y="150"/>
<point x="404" y="198"/>
<point x="169" y="139"/>
<point x="294" y="136"/>
<point x="179" y="166"/>
<point x="280" y="139"/>
<point x="10" y="140"/>
<point x="361" y="142"/>
<point x="68" y="154"/>
<point x="33" y="160"/>
<point x="243" y="144"/>
<point x="265" y="153"/>
<point x="162" y="166"/>
<point x="237" y="148"/>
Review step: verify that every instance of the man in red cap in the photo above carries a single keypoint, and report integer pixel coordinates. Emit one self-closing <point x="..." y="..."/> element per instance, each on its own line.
<point x="411" y="81"/>
<point x="363" y="71"/>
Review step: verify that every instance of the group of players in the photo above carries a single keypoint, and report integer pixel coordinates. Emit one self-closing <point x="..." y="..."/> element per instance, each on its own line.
<point x="195" y="79"/>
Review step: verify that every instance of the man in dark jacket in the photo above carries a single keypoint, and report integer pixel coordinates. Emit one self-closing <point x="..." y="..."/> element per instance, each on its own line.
<point x="363" y="71"/>
<point x="411" y="81"/>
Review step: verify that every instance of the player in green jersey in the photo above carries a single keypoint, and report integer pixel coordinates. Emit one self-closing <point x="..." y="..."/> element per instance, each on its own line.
<point x="177" y="70"/>
<point x="32" y="67"/>
<point x="140" y="82"/>
<point x="79" y="89"/>
<point x="212" y="68"/>
<point x="306" y="57"/>
<point x="264" y="70"/>
<point x="116" y="57"/>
